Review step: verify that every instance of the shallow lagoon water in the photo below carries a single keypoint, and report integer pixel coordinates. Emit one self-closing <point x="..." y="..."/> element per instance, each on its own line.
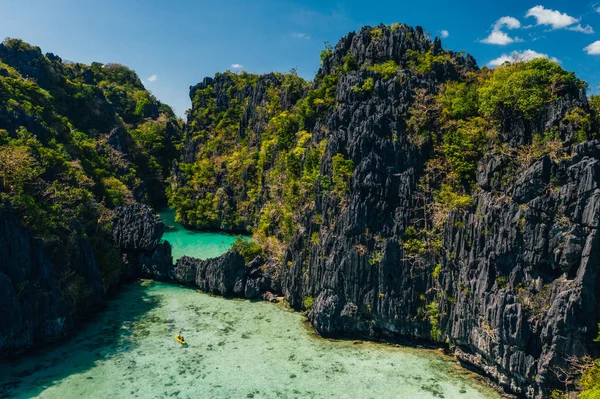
<point x="236" y="349"/>
<point x="201" y="245"/>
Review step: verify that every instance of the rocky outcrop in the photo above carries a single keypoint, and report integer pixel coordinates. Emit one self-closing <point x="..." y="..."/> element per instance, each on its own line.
<point x="137" y="231"/>
<point x="513" y="286"/>
<point x="228" y="275"/>
<point x="73" y="129"/>
<point x="515" y="291"/>
<point x="136" y="227"/>
<point x="40" y="299"/>
<point x="225" y="275"/>
<point x="242" y="98"/>
<point x="522" y="273"/>
<point x="156" y="264"/>
<point x="31" y="63"/>
<point x="262" y="280"/>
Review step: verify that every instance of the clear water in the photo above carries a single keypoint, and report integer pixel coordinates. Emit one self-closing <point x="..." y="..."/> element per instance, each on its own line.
<point x="236" y="349"/>
<point x="199" y="245"/>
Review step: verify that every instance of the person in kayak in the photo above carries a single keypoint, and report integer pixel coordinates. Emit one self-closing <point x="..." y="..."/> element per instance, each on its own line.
<point x="181" y="336"/>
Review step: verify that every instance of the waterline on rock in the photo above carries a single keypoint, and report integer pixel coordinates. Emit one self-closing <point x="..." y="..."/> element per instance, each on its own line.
<point x="236" y="349"/>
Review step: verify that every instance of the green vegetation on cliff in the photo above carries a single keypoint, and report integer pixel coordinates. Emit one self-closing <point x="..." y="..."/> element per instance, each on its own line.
<point x="257" y="166"/>
<point x="464" y="122"/>
<point x="355" y="183"/>
<point x="291" y="161"/>
<point x="75" y="142"/>
<point x="269" y="158"/>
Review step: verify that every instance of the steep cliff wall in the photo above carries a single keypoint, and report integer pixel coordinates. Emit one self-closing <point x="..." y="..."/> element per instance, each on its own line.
<point x="410" y="194"/>
<point x="229" y="118"/>
<point x="76" y="142"/>
<point x="402" y="193"/>
<point x="41" y="297"/>
<point x="137" y="232"/>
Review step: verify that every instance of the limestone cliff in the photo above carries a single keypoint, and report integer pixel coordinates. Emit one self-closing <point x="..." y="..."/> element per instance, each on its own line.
<point x="497" y="259"/>
<point x="78" y="144"/>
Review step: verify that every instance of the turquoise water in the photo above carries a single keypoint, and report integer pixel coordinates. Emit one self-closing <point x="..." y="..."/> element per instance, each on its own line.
<point x="192" y="243"/>
<point x="236" y="349"/>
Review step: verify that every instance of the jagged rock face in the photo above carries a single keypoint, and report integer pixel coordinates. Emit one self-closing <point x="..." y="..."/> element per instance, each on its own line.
<point x="251" y="97"/>
<point x="516" y="285"/>
<point x="519" y="275"/>
<point x="262" y="280"/>
<point x="228" y="275"/>
<point x="393" y="45"/>
<point x="369" y="129"/>
<point x="40" y="298"/>
<point x="224" y="275"/>
<point x="12" y="120"/>
<point x="137" y="227"/>
<point x="244" y="100"/>
<point x="137" y="231"/>
<point x="81" y="157"/>
<point x="523" y="272"/>
<point x="12" y="318"/>
<point x="36" y="306"/>
<point x="157" y="264"/>
<point x="185" y="270"/>
<point x="32" y="64"/>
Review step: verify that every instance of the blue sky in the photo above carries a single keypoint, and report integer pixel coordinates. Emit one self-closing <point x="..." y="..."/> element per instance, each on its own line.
<point x="174" y="44"/>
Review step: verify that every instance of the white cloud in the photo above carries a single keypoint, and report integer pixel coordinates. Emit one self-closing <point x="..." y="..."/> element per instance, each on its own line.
<point x="301" y="36"/>
<point x="593" y="49"/>
<point x="237" y="67"/>
<point x="509" y="22"/>
<point x="588" y="30"/>
<point x="553" y="18"/>
<point x="152" y="78"/>
<point x="444" y="33"/>
<point x="516" y="56"/>
<point x="502" y="38"/>
<point x="500" y="60"/>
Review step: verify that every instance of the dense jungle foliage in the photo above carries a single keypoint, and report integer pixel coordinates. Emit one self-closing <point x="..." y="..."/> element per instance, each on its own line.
<point x="76" y="141"/>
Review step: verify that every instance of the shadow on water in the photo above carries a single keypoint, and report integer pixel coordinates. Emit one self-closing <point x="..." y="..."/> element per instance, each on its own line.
<point x="112" y="332"/>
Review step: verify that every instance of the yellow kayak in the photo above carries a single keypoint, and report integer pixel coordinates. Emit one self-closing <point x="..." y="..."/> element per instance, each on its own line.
<point x="180" y="339"/>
